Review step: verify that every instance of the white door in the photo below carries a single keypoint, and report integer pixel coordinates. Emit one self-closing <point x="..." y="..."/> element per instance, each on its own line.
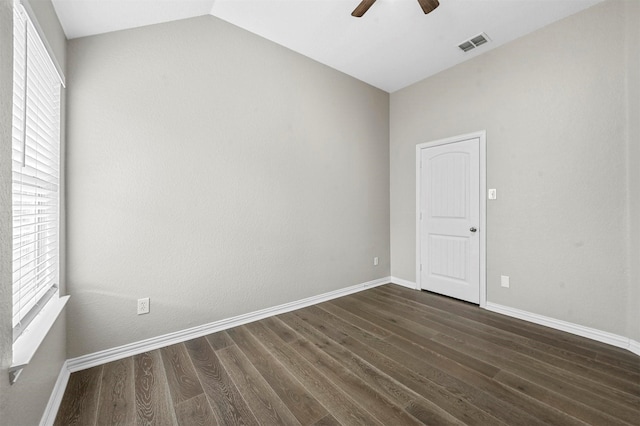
<point x="449" y="219"/>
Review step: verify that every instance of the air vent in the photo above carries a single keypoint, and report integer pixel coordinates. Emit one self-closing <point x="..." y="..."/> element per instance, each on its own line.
<point x="474" y="42"/>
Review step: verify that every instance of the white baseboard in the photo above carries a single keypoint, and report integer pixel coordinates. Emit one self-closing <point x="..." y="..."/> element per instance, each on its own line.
<point x="120" y="352"/>
<point x="404" y="283"/>
<point x="580" y="330"/>
<point x="55" y="399"/>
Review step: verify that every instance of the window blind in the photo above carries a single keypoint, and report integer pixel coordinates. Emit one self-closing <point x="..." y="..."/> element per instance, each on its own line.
<point x="35" y="173"/>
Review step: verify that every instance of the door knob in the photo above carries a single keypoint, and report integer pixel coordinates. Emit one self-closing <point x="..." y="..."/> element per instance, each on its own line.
<point x="472" y="229"/>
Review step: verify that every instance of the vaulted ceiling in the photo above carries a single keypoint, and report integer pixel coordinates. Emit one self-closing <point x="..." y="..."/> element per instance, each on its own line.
<point x="392" y="46"/>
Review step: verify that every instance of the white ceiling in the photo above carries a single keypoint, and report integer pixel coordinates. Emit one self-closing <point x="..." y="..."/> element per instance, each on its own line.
<point x="391" y="47"/>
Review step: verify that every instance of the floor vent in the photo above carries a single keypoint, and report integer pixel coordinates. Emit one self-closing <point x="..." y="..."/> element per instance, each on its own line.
<point x="474" y="42"/>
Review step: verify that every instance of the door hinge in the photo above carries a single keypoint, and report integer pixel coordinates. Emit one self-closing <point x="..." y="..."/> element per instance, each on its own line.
<point x="421" y="266"/>
<point x="420" y="215"/>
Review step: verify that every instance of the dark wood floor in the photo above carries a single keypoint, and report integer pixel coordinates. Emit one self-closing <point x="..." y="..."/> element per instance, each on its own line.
<point x="385" y="356"/>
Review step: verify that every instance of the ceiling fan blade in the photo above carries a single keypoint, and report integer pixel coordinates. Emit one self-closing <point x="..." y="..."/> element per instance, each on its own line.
<point x="428" y="5"/>
<point x="362" y="8"/>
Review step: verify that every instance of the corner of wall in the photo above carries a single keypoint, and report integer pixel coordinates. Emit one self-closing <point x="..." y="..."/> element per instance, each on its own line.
<point x="632" y="36"/>
<point x="6" y="88"/>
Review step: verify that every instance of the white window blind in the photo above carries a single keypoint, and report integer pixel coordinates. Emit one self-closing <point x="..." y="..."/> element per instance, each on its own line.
<point x="36" y="173"/>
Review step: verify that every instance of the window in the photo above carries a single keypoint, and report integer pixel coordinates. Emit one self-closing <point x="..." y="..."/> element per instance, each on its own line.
<point x="35" y="186"/>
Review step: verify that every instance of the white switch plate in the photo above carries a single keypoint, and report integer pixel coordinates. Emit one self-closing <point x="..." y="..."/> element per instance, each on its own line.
<point x="375" y="261"/>
<point x="504" y="281"/>
<point x="143" y="306"/>
<point x="493" y="194"/>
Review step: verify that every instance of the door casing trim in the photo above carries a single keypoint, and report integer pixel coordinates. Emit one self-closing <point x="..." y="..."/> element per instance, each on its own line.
<point x="482" y="138"/>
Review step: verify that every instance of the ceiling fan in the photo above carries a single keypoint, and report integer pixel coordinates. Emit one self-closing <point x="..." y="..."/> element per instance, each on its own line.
<point x="426" y="5"/>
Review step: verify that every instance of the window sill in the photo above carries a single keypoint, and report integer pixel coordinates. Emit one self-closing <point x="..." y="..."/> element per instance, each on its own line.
<point x="27" y="344"/>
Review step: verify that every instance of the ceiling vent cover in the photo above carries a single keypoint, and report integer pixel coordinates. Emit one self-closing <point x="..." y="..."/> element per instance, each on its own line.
<point x="474" y="42"/>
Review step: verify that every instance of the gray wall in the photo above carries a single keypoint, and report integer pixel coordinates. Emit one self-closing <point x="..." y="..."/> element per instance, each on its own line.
<point x="554" y="104"/>
<point x="216" y="173"/>
<point x="6" y="87"/>
<point x="38" y="378"/>
<point x="632" y="42"/>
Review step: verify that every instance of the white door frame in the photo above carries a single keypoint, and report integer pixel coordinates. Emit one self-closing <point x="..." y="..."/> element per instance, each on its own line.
<point x="482" y="137"/>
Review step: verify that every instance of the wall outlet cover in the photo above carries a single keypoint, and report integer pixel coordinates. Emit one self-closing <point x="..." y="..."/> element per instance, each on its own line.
<point x="143" y="306"/>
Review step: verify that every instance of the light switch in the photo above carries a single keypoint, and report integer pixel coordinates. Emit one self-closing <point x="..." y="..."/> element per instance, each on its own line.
<point x="493" y="194"/>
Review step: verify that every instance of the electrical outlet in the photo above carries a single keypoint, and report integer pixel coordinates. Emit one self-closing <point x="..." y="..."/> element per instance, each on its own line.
<point x="493" y="195"/>
<point x="143" y="306"/>
<point x="375" y="261"/>
<point x="504" y="281"/>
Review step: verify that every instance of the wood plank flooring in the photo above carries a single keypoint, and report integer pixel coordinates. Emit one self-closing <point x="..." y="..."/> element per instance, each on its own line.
<point x="385" y="356"/>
